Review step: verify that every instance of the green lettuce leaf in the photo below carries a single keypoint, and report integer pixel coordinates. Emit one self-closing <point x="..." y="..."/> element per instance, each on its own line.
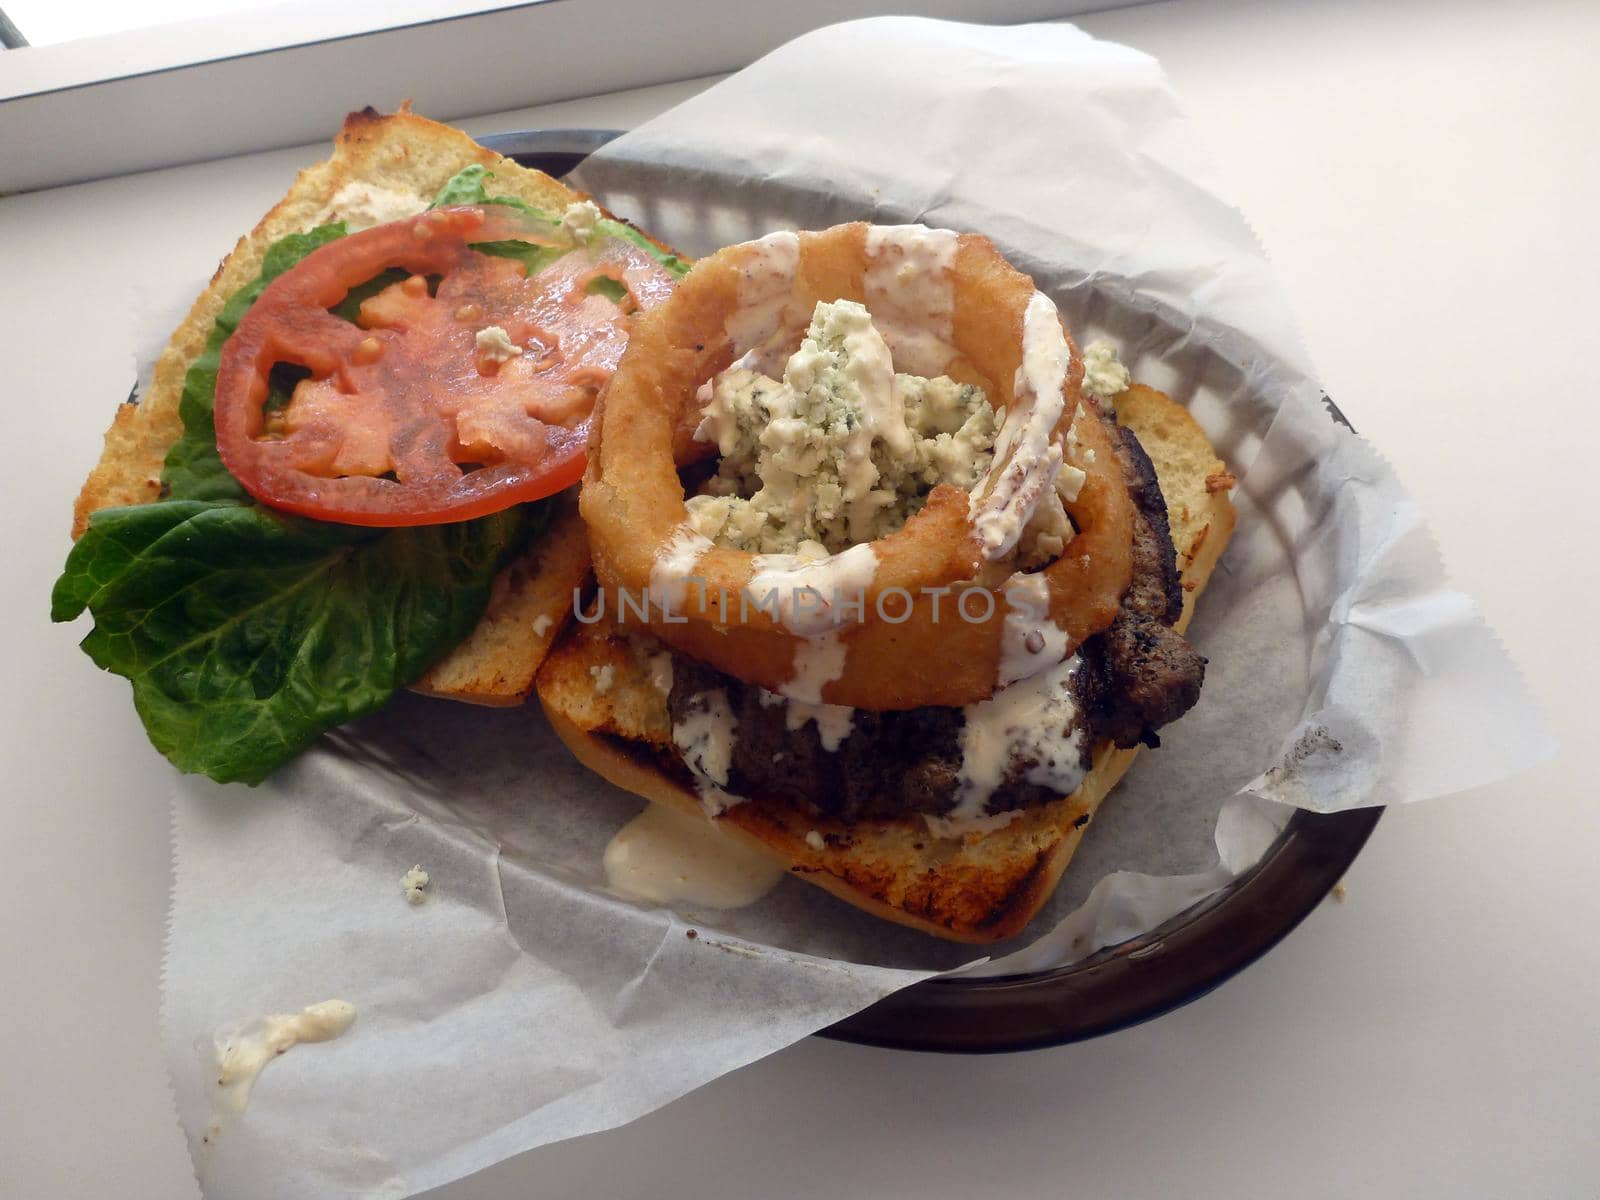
<point x="533" y="257"/>
<point x="350" y="307"/>
<point x="466" y="186"/>
<point x="246" y="633"/>
<point x="609" y="288"/>
<point x="675" y="266"/>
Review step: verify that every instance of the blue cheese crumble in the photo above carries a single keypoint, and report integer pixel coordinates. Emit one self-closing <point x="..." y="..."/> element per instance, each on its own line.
<point x="579" y="222"/>
<point x="495" y="345"/>
<point x="841" y="450"/>
<point x="1104" y="376"/>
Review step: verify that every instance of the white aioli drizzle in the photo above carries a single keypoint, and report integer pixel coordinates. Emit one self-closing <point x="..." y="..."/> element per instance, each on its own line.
<point x="705" y="739"/>
<point x="818" y="661"/>
<point x="834" y="721"/>
<point x="672" y="568"/>
<point x="766" y="311"/>
<point x="1030" y="641"/>
<point x="667" y="857"/>
<point x="811" y="596"/>
<point x="243" y="1054"/>
<point x="910" y="289"/>
<point x="1028" y="720"/>
<point x="1026" y="453"/>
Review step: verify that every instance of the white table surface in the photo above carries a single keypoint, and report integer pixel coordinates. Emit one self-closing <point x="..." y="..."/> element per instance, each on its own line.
<point x="1426" y="179"/>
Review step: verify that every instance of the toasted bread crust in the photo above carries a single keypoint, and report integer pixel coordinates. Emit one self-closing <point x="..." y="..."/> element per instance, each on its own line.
<point x="411" y="155"/>
<point x="977" y="888"/>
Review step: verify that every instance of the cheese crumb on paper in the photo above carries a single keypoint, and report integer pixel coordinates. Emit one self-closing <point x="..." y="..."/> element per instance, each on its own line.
<point x="412" y="882"/>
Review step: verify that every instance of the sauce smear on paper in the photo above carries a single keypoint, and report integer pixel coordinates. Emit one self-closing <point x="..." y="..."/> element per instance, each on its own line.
<point x="668" y="857"/>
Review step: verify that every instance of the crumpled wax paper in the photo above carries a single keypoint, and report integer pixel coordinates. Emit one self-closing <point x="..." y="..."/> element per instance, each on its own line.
<point x="522" y="1003"/>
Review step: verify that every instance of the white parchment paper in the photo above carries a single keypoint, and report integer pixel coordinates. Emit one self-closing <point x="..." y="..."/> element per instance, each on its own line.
<point x="522" y="1004"/>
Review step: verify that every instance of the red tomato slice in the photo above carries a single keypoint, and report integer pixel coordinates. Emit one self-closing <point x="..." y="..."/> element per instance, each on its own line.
<point x="436" y="407"/>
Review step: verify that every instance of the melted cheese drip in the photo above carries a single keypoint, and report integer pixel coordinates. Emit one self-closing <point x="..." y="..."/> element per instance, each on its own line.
<point x="668" y="857"/>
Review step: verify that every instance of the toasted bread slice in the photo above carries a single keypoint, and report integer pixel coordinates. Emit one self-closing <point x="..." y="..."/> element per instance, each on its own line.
<point x="401" y="157"/>
<point x="979" y="887"/>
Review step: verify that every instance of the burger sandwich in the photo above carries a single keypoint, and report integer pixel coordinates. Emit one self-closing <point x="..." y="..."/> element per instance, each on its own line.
<point x="886" y="586"/>
<point x="879" y="574"/>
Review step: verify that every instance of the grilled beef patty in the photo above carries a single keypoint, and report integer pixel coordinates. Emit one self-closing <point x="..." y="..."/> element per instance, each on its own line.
<point x="1136" y="676"/>
<point x="1141" y="674"/>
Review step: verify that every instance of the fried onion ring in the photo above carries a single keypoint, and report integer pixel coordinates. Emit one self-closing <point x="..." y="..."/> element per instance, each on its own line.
<point x="930" y="643"/>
